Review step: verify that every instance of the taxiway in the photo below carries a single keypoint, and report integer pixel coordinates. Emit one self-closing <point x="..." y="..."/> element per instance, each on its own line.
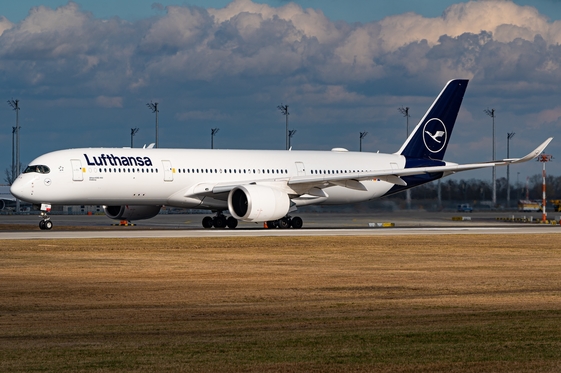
<point x="315" y="224"/>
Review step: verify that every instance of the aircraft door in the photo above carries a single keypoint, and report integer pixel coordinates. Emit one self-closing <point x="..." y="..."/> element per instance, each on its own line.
<point x="168" y="171"/>
<point x="301" y="171"/>
<point x="77" y="174"/>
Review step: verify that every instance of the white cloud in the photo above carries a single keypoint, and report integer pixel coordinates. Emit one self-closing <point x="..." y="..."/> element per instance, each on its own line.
<point x="5" y="24"/>
<point x="250" y="40"/>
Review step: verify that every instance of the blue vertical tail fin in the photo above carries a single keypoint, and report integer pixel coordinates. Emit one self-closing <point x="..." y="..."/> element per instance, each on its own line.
<point x="430" y="137"/>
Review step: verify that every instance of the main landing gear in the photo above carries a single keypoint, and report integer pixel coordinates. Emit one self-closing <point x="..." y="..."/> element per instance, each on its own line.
<point x="285" y="223"/>
<point x="220" y="221"/>
<point x="45" y="223"/>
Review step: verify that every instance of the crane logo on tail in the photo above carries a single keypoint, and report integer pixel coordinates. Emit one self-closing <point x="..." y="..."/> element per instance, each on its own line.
<point x="435" y="135"/>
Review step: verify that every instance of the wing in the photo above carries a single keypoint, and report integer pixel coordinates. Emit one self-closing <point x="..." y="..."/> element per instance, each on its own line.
<point x="313" y="184"/>
<point x="393" y="176"/>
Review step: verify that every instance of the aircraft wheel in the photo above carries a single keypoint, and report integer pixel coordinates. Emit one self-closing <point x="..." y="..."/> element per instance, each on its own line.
<point x="207" y="222"/>
<point x="232" y="222"/>
<point x="283" y="223"/>
<point x="219" y="221"/>
<point x="297" y="222"/>
<point x="272" y="224"/>
<point x="41" y="224"/>
<point x="48" y="224"/>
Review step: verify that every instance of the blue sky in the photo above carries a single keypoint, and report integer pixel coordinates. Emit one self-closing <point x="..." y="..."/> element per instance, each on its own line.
<point x="84" y="71"/>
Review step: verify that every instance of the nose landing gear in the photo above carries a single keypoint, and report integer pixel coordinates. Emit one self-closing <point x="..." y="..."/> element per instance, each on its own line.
<point x="45" y="223"/>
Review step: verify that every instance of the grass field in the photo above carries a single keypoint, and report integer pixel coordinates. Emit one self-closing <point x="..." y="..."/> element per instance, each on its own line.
<point x="345" y="304"/>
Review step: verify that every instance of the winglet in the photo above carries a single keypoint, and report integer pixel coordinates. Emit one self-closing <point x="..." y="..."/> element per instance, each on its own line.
<point x="533" y="154"/>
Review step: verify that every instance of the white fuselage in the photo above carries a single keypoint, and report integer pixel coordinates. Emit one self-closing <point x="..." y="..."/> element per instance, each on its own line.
<point x="180" y="177"/>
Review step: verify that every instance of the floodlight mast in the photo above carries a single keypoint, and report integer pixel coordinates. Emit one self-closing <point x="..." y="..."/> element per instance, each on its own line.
<point x="12" y="178"/>
<point x="491" y="113"/>
<point x="405" y="112"/>
<point x="154" y="107"/>
<point x="15" y="106"/>
<point x="362" y="135"/>
<point x="509" y="136"/>
<point x="284" y="111"/>
<point x="290" y="134"/>
<point x="213" y="131"/>
<point x="133" y="132"/>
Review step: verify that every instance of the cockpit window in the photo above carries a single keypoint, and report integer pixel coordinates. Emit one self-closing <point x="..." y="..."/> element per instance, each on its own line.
<point x="41" y="169"/>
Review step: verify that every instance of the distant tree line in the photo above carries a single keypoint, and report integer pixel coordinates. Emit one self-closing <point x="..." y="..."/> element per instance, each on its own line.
<point x="474" y="190"/>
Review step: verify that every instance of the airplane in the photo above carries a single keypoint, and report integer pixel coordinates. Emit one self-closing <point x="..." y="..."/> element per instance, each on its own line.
<point x="262" y="186"/>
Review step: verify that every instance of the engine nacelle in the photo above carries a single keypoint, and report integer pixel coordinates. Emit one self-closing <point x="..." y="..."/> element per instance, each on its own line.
<point x="256" y="203"/>
<point x="131" y="212"/>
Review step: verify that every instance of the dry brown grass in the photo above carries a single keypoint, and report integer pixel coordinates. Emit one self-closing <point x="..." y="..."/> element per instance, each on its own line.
<point x="338" y="304"/>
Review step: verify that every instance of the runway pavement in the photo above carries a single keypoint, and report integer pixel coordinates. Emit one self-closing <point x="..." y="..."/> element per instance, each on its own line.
<point x="315" y="224"/>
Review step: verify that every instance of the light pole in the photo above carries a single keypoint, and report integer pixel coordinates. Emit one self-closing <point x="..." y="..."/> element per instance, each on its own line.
<point x="509" y="136"/>
<point x="154" y="107"/>
<point x="491" y="113"/>
<point x="213" y="131"/>
<point x="284" y="111"/>
<point x="405" y="112"/>
<point x="290" y="134"/>
<point x="133" y="132"/>
<point x="12" y="178"/>
<point x="518" y="185"/>
<point x="362" y="135"/>
<point x="15" y="105"/>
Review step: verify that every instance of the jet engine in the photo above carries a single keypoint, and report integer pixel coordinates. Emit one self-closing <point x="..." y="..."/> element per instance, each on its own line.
<point x="131" y="212"/>
<point x="256" y="203"/>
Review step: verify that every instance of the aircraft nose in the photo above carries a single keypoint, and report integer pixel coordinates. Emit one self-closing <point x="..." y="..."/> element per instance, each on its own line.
<point x="17" y="188"/>
<point x="21" y="188"/>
